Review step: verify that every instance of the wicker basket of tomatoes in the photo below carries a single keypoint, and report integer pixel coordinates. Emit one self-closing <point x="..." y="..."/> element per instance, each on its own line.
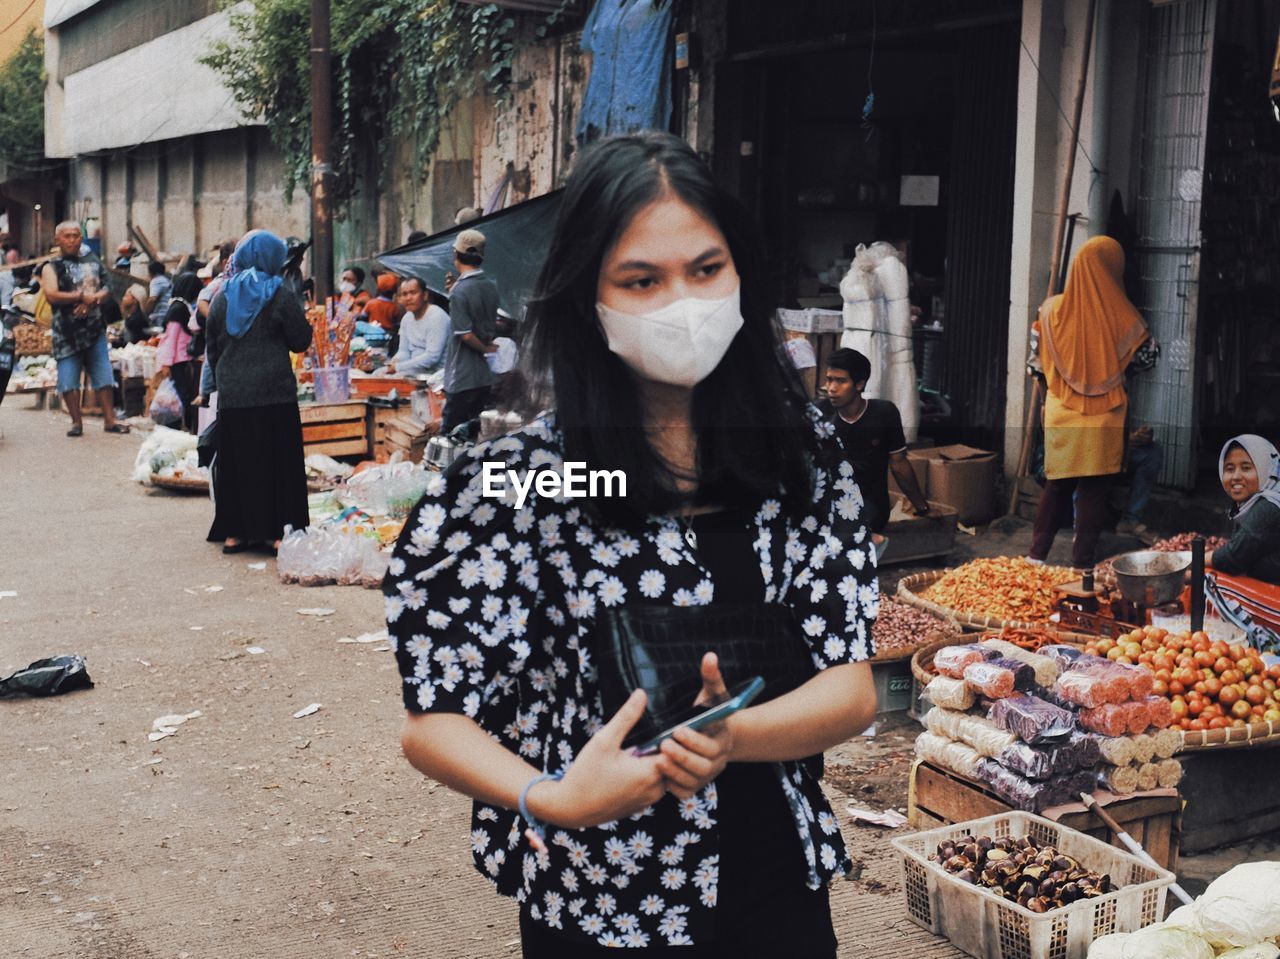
<point x="1223" y="695"/>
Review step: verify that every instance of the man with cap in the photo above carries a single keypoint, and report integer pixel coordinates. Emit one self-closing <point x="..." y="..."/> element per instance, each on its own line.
<point x="473" y="312"/>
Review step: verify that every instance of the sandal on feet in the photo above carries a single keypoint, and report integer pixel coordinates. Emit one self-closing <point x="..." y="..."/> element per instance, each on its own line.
<point x="230" y="548"/>
<point x="115" y="428"/>
<point x="76" y="431"/>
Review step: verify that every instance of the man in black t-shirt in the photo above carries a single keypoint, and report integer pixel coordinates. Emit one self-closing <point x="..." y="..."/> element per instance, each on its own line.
<point x="871" y="433"/>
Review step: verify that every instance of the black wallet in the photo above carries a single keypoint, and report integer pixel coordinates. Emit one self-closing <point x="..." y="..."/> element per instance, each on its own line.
<point x="659" y="649"/>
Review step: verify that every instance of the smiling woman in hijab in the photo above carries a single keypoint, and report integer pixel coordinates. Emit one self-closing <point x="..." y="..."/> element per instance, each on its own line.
<point x="1244" y="582"/>
<point x="259" y="480"/>
<point x="1088" y="336"/>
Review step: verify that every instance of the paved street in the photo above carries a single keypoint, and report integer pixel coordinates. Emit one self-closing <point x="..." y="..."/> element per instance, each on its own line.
<point x="248" y="833"/>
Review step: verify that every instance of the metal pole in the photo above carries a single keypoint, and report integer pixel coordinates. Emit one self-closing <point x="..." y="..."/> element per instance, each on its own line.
<point x="321" y="138"/>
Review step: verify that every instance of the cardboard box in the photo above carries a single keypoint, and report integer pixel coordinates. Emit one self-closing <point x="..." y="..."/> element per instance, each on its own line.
<point x="919" y="460"/>
<point x="965" y="478"/>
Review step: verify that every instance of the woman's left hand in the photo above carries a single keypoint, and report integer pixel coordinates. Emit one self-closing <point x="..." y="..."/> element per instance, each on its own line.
<point x="691" y="759"/>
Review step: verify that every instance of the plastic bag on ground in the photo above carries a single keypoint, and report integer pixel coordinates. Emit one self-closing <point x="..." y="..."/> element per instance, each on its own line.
<point x="1162" y="940"/>
<point x="48" y="677"/>
<point x="1242" y="906"/>
<point x="166" y="405"/>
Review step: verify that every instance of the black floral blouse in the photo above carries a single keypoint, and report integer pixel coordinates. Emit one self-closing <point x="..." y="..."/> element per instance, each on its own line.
<point x="490" y="610"/>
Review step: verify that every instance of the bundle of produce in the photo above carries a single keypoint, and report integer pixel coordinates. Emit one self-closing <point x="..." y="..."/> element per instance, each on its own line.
<point x="999" y="678"/>
<point x="1045" y="669"/>
<point x="901" y="627"/>
<point x="1144" y="748"/>
<point x="949" y="754"/>
<point x="1148" y="776"/>
<point x="1032" y="719"/>
<point x="1168" y="742"/>
<point x="1209" y="684"/>
<point x="982" y="735"/>
<point x="1031" y="795"/>
<point x="1117" y="750"/>
<point x="1038" y="878"/>
<point x="1003" y="588"/>
<point x="949" y="693"/>
<point x="1116" y="719"/>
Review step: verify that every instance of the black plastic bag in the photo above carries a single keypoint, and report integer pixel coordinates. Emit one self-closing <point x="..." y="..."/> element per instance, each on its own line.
<point x="48" y="677"/>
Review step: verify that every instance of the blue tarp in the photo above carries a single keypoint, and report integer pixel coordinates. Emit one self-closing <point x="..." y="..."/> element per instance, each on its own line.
<point x="631" y="61"/>
<point x="516" y="242"/>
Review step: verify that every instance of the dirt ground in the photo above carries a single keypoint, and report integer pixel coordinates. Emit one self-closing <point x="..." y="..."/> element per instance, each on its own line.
<point x="250" y="833"/>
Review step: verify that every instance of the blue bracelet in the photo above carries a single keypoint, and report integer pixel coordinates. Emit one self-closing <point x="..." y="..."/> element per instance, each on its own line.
<point x="536" y="832"/>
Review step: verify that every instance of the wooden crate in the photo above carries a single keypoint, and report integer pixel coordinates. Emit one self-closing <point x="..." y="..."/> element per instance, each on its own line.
<point x="378" y="418"/>
<point x="938" y="797"/>
<point x="335" y="429"/>
<point x="406" y="435"/>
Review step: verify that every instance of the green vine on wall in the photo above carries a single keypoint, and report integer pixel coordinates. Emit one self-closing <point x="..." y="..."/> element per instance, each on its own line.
<point x="400" y="67"/>
<point x="22" y="81"/>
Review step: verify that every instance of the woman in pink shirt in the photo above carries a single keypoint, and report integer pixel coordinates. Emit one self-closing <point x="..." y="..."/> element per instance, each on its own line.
<point x="172" y="356"/>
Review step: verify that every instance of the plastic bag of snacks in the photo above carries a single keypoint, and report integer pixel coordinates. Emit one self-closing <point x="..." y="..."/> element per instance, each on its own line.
<point x="1032" y="719"/>
<point x="1046" y="669"/>
<point x="949" y="693"/>
<point x="1144" y="748"/>
<point x="1065" y="656"/>
<point x="1139" y="716"/>
<point x="1120" y="780"/>
<point x="1168" y="773"/>
<point x="948" y="754"/>
<point x="1159" y="711"/>
<point x="1090" y="687"/>
<point x="985" y="737"/>
<point x="1116" y="750"/>
<point x="1168" y="742"/>
<point x="991" y="680"/>
<point x="1148" y="776"/>
<point x="1109" y="719"/>
<point x="952" y="660"/>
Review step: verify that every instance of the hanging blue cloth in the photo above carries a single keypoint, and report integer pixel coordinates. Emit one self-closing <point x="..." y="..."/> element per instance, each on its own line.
<point x="630" y="84"/>
<point x="259" y="258"/>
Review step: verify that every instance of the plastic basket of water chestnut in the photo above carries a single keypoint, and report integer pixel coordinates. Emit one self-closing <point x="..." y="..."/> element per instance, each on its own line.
<point x="1222" y="694"/>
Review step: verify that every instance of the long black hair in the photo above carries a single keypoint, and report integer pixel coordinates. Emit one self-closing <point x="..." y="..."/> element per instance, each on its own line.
<point x="749" y="415"/>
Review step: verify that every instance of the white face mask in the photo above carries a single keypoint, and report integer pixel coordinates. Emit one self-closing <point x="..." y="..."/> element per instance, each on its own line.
<point x="346" y="286"/>
<point x="679" y="344"/>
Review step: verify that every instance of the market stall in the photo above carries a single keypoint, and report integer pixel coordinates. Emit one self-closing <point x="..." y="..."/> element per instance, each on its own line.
<point x="1073" y="702"/>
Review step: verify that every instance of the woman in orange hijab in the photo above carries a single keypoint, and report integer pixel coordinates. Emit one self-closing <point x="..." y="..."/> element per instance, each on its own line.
<point x="1088" y="336"/>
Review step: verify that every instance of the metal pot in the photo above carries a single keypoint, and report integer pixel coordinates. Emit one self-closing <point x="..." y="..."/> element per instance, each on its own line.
<point x="1150" y="578"/>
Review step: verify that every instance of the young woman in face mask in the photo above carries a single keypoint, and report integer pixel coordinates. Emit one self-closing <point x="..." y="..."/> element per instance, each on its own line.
<point x="650" y="329"/>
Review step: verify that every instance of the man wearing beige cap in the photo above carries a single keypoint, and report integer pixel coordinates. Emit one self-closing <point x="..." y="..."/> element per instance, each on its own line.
<point x="473" y="312"/>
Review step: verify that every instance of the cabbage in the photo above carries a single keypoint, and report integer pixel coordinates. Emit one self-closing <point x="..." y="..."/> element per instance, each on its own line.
<point x="1242" y="906"/>
<point x="1154" y="942"/>
<point x="1263" y="950"/>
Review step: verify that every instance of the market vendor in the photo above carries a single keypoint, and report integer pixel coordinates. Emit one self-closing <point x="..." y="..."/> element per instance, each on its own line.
<point x="424" y="332"/>
<point x="871" y="433"/>
<point x="1243" y="581"/>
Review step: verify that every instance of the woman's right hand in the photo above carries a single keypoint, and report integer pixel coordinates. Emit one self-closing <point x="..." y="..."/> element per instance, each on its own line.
<point x="605" y="782"/>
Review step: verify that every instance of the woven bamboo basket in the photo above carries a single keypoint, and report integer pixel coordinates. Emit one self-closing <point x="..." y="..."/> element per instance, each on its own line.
<point x="910" y="588"/>
<point x="181" y="484"/>
<point x="922" y="660"/>
<point x="1255" y="734"/>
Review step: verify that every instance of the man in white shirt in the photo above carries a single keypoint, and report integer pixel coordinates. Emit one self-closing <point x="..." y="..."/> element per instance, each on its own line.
<point x="424" y="333"/>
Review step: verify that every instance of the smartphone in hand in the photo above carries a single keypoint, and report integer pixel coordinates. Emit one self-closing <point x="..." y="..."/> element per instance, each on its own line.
<point x="698" y="717"/>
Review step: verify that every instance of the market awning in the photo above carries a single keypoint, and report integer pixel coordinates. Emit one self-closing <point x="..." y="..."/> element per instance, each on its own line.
<point x="516" y="242"/>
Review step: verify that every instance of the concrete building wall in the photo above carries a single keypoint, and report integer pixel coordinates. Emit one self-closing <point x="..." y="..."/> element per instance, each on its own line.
<point x="189" y="194"/>
<point x="1049" y="70"/>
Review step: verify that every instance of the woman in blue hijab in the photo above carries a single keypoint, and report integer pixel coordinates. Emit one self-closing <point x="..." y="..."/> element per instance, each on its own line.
<point x="259" y="479"/>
